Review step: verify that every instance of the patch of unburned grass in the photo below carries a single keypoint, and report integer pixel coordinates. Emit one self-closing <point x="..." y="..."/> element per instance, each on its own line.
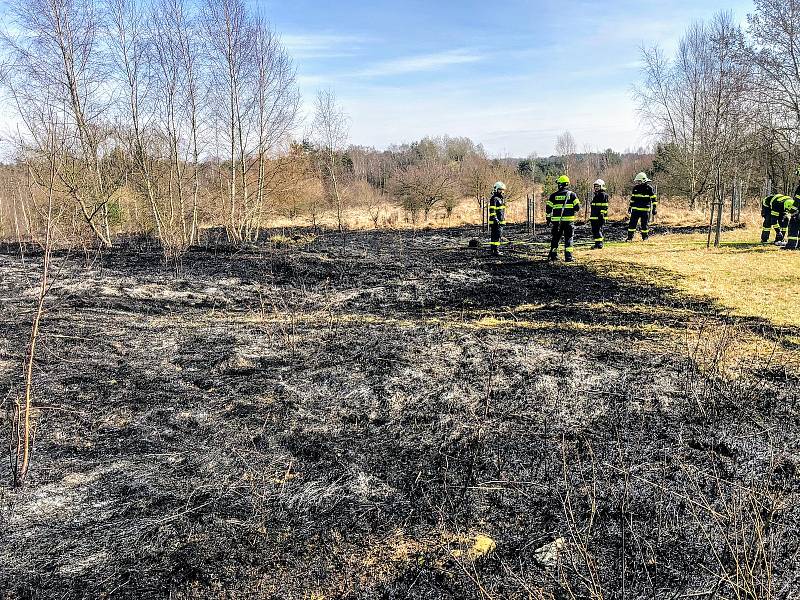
<point x="741" y="276"/>
<point x="564" y="325"/>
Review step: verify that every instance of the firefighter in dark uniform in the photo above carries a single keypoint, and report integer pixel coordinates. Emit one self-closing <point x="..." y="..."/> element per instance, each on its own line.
<point x="599" y="213"/>
<point x="779" y="218"/>
<point x="562" y="206"/>
<point x="497" y="216"/>
<point x="793" y="213"/>
<point x="766" y="214"/>
<point x="643" y="203"/>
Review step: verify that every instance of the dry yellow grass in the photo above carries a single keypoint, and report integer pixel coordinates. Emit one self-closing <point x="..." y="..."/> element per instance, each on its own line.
<point x="741" y="276"/>
<point x="391" y="216"/>
<point x="672" y="213"/>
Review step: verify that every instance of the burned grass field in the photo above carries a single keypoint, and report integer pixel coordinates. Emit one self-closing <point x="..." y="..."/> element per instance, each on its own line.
<point x="397" y="416"/>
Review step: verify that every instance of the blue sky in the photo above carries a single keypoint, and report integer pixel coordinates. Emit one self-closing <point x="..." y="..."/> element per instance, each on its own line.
<point x="511" y="74"/>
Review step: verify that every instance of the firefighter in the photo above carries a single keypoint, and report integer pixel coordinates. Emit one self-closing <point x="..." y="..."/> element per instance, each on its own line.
<point x="793" y="211"/>
<point x="778" y="217"/>
<point x="793" y="240"/>
<point x="643" y="203"/>
<point x="766" y="214"/>
<point x="497" y="216"/>
<point x="599" y="213"/>
<point x="562" y="206"/>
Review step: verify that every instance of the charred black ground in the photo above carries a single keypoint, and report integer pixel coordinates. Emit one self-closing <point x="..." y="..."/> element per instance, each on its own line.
<point x="315" y="418"/>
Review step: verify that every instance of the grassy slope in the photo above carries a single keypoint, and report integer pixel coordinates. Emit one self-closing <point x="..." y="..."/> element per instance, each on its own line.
<point x="745" y="278"/>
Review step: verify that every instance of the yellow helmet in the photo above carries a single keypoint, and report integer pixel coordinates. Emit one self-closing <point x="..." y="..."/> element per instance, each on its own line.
<point x="563" y="180"/>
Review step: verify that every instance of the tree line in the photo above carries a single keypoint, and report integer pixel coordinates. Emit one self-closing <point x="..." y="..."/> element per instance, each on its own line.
<point x="725" y="107"/>
<point x="429" y="175"/>
<point x="161" y="114"/>
<point x="168" y="117"/>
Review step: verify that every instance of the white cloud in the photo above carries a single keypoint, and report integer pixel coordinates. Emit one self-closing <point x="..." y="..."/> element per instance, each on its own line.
<point x="389" y="68"/>
<point x="323" y="45"/>
<point x="420" y="63"/>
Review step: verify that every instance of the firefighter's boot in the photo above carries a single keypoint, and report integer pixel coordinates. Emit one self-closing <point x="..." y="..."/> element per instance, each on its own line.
<point x="793" y="241"/>
<point x="766" y="229"/>
<point x="780" y="234"/>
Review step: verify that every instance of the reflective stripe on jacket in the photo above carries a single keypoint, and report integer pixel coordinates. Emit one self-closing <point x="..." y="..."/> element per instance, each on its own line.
<point x="599" y="206"/>
<point x="643" y="198"/>
<point x="497" y="209"/>
<point x="563" y="206"/>
<point x="766" y="205"/>
<point x="779" y="205"/>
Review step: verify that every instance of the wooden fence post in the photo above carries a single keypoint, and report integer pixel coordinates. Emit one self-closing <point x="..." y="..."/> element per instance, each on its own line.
<point x="655" y="191"/>
<point x="719" y="218"/>
<point x="528" y="213"/>
<point x="711" y="224"/>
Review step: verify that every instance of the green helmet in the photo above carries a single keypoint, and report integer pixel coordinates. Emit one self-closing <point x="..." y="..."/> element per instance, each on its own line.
<point x="499" y="187"/>
<point x="789" y="205"/>
<point x="563" y="180"/>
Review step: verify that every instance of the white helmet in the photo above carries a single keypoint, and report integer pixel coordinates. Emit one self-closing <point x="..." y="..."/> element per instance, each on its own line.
<point x="600" y="183"/>
<point x="499" y="186"/>
<point x="641" y="178"/>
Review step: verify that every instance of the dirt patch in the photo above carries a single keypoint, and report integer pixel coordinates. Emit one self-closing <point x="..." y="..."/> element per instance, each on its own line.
<point x="353" y="421"/>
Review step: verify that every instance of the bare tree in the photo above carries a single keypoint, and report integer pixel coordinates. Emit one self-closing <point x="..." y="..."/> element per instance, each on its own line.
<point x="774" y="28"/>
<point x="566" y="147"/>
<point x="696" y="102"/>
<point x="423" y="186"/>
<point x="516" y="186"/>
<point x="57" y="59"/>
<point x="475" y="176"/>
<point x="619" y="175"/>
<point x="255" y="107"/>
<point x="194" y="92"/>
<point x="330" y="132"/>
<point x="129" y="51"/>
<point x="230" y="39"/>
<point x="277" y="104"/>
<point x="168" y="24"/>
<point x="363" y="194"/>
<point x="44" y="161"/>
